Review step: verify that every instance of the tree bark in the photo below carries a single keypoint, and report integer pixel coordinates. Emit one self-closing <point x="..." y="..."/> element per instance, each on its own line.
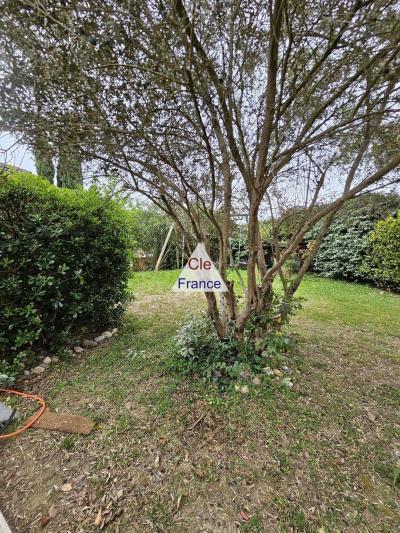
<point x="43" y="159"/>
<point x="69" y="169"/>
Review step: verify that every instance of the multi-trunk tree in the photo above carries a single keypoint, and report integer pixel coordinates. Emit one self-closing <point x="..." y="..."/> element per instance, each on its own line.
<point x="200" y="104"/>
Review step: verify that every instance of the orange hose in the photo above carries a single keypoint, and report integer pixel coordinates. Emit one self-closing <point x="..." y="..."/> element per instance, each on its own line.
<point x="35" y="417"/>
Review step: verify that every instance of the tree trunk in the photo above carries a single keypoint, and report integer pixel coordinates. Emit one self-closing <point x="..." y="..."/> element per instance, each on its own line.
<point x="43" y="160"/>
<point x="69" y="169"/>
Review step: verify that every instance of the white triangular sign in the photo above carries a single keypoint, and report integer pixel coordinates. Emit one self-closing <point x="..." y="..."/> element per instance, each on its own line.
<point x="199" y="274"/>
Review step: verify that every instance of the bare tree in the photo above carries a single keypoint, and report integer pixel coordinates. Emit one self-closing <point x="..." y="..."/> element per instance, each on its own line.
<point x="196" y="104"/>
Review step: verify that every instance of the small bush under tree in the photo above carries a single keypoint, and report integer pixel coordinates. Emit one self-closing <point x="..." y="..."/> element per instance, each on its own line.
<point x="202" y="352"/>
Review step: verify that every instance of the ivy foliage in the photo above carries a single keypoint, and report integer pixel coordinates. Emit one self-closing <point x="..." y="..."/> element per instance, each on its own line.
<point x="64" y="264"/>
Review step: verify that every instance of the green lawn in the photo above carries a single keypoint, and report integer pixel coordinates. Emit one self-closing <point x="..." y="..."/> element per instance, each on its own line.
<point x="359" y="306"/>
<point x="172" y="454"/>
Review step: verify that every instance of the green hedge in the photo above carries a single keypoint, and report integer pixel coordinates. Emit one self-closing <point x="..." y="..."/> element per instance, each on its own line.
<point x="345" y="248"/>
<point x="382" y="261"/>
<point x="64" y="264"/>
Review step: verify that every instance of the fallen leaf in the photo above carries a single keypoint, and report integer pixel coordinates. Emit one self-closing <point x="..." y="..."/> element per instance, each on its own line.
<point x="44" y="521"/>
<point x="120" y="493"/>
<point x="245" y="516"/>
<point x="157" y="461"/>
<point x="371" y="416"/>
<point x="66" y="487"/>
<point x="99" y="517"/>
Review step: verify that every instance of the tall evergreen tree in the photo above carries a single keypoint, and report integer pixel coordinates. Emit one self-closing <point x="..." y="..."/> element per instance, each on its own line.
<point x="69" y="168"/>
<point x="43" y="159"/>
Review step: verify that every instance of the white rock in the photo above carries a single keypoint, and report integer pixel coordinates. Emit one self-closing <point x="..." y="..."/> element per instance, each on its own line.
<point x="268" y="371"/>
<point x="285" y="368"/>
<point x="55" y="359"/>
<point x="106" y="334"/>
<point x="114" y="331"/>
<point x="87" y="343"/>
<point x="47" y="360"/>
<point x="27" y="373"/>
<point x="38" y="370"/>
<point x="78" y="349"/>
<point x="99" y="339"/>
<point x="287" y="382"/>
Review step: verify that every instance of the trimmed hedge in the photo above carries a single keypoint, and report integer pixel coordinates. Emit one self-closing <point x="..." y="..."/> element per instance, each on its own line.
<point x="64" y="264"/>
<point x="382" y="262"/>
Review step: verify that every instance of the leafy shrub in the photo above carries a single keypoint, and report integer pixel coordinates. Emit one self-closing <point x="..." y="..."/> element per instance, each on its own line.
<point x="344" y="248"/>
<point x="382" y="261"/>
<point x="64" y="264"/>
<point x="272" y="320"/>
<point x="240" y="247"/>
<point x="200" y="351"/>
<point x="292" y="265"/>
<point x="197" y="339"/>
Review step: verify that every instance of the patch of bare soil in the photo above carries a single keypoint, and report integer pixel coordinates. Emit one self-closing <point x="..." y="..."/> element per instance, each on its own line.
<point x="145" y="305"/>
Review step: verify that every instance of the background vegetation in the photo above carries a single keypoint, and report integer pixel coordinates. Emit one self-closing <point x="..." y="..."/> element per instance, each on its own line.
<point x="346" y="249"/>
<point x="382" y="261"/>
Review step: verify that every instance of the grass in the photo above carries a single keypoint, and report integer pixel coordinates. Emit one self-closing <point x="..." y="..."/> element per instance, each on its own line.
<point x="172" y="454"/>
<point x="356" y="305"/>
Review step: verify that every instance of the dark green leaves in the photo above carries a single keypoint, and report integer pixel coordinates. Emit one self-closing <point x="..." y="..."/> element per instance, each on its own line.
<point x="64" y="264"/>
